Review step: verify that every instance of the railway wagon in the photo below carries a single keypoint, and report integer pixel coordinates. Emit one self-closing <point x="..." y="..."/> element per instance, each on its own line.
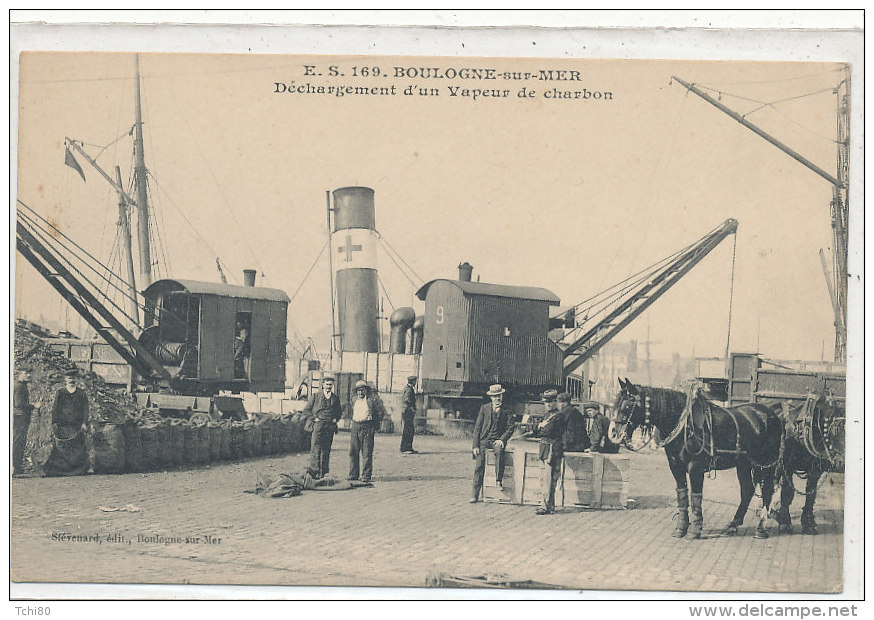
<point x="751" y="379"/>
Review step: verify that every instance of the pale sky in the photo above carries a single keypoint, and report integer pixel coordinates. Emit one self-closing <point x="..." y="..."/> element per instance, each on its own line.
<point x="569" y="195"/>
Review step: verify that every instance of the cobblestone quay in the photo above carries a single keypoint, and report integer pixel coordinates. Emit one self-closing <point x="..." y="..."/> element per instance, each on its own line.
<point x="198" y="526"/>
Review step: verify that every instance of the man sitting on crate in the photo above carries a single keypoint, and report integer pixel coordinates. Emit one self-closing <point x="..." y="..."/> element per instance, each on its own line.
<point x="492" y="431"/>
<point x="599" y="433"/>
<point x="551" y="431"/>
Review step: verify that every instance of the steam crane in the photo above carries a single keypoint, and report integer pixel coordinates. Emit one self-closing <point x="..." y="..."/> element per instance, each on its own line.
<point x="606" y="314"/>
<point x="836" y="278"/>
<point x="183" y="339"/>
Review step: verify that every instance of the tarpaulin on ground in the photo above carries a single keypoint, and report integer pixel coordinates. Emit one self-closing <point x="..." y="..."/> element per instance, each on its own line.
<point x="291" y="485"/>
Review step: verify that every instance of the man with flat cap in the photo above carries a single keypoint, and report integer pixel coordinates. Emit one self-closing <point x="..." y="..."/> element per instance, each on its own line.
<point x="409" y="415"/>
<point x="323" y="407"/>
<point x="492" y="431"/>
<point x="551" y="430"/>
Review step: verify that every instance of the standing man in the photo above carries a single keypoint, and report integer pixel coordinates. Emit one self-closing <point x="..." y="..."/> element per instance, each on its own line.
<point x="551" y="452"/>
<point x="409" y="415"/>
<point x="576" y="436"/>
<point x="367" y="413"/>
<point x="68" y="456"/>
<point x="21" y="410"/>
<point x="323" y="407"/>
<point x="492" y="431"/>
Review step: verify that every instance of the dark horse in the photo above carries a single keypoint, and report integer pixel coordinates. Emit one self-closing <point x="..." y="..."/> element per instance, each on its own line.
<point x="812" y="445"/>
<point x="701" y="436"/>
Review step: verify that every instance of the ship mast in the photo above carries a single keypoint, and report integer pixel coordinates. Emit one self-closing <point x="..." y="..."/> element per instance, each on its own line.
<point x="140" y="181"/>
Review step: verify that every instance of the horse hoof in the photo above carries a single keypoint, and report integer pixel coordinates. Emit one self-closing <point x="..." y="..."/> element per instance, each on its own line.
<point x="679" y="533"/>
<point x="761" y="533"/>
<point x="731" y="529"/>
<point x="694" y="532"/>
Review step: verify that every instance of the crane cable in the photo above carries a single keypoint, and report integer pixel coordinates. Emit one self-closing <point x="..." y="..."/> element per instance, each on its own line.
<point x="731" y="294"/>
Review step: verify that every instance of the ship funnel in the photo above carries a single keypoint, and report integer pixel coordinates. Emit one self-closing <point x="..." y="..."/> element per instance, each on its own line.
<point x="249" y="277"/>
<point x="400" y="321"/>
<point x="465" y="271"/>
<point x="418" y="333"/>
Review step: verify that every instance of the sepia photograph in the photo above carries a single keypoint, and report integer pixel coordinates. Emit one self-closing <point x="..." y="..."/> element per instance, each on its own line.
<point x="515" y="323"/>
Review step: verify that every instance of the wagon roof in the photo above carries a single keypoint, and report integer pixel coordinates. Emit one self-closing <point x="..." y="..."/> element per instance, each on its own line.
<point x="197" y="287"/>
<point x="495" y="290"/>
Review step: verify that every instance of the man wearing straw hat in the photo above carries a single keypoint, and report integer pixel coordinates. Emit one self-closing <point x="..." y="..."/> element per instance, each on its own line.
<point x="492" y="431"/>
<point x="367" y="413"/>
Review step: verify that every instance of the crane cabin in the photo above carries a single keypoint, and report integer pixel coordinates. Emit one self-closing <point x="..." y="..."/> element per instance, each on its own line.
<point x="213" y="336"/>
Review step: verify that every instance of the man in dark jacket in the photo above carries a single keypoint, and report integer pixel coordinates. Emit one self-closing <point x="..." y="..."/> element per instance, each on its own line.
<point x="325" y="410"/>
<point x="551" y="451"/>
<point x="21" y="410"/>
<point x="492" y="431"/>
<point x="576" y="436"/>
<point x="409" y="415"/>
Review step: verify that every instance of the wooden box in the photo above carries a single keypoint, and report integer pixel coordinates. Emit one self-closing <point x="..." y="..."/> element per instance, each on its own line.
<point x="587" y="479"/>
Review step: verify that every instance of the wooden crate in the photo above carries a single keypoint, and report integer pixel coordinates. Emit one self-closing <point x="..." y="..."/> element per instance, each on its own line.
<point x="594" y="480"/>
<point x="491" y="493"/>
<point x="587" y="479"/>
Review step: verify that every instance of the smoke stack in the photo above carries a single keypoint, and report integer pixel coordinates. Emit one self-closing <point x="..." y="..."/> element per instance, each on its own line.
<point x="355" y="281"/>
<point x="400" y="321"/>
<point x="418" y="333"/>
<point x="249" y="277"/>
<point x="465" y="271"/>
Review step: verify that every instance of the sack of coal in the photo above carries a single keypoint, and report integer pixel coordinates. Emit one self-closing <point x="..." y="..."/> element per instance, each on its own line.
<point x="276" y="444"/>
<point x="283" y="424"/>
<point x="255" y="441"/>
<point x="190" y="443"/>
<point x="225" y="449"/>
<point x="133" y="445"/>
<point x="108" y="441"/>
<point x="176" y="440"/>
<point x="201" y="436"/>
<point x="155" y="447"/>
<point x="238" y="439"/>
<point x="214" y="433"/>
<point x="266" y="433"/>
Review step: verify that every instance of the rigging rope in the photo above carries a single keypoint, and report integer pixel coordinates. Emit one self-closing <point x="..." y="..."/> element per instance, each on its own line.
<point x="184" y="217"/>
<point x="299" y="286"/>
<point x="389" y="246"/>
<point x="227" y="205"/>
<point x="410" y="280"/>
<point x="378" y="279"/>
<point x="54" y="239"/>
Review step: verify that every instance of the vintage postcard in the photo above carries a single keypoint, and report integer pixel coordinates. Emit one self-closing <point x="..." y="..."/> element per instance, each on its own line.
<point x="516" y="323"/>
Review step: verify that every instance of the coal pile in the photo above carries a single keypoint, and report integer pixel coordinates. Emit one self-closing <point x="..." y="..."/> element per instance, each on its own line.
<point x="125" y="437"/>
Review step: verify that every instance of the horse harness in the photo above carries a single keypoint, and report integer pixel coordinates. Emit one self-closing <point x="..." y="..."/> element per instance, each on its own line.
<point x="686" y="427"/>
<point x="805" y="426"/>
